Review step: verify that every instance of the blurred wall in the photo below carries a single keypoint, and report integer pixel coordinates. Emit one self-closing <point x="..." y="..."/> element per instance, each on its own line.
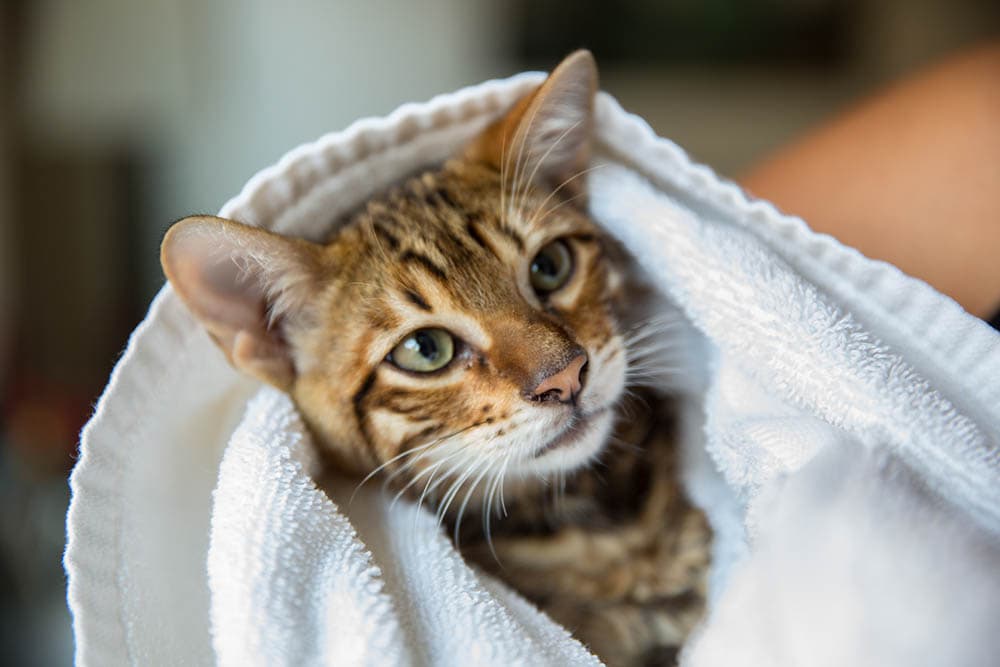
<point x="6" y="245"/>
<point x="214" y="91"/>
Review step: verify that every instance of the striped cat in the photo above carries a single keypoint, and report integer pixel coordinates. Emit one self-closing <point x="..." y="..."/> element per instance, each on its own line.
<point x="465" y="338"/>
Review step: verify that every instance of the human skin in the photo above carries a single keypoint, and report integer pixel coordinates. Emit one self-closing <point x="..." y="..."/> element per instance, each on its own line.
<point x="910" y="176"/>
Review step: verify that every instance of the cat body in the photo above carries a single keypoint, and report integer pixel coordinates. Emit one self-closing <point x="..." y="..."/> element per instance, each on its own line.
<point x="465" y="338"/>
<point x="615" y="553"/>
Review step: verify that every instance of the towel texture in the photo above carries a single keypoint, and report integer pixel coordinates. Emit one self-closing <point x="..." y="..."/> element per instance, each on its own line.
<point x="849" y="423"/>
<point x="294" y="583"/>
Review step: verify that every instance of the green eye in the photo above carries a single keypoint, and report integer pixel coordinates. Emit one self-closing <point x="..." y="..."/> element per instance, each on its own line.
<point x="424" y="351"/>
<point x="551" y="267"/>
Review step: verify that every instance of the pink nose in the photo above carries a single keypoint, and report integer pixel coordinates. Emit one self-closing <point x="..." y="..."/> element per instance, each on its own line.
<point x="564" y="385"/>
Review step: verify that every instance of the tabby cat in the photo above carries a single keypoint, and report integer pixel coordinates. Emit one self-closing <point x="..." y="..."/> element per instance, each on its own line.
<point x="465" y="337"/>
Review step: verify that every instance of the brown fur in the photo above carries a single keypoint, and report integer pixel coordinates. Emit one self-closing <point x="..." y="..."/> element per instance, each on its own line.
<point x="619" y="559"/>
<point x="414" y="244"/>
<point x="616" y="553"/>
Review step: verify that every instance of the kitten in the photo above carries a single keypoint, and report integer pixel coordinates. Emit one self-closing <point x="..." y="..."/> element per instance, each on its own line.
<point x="464" y="337"/>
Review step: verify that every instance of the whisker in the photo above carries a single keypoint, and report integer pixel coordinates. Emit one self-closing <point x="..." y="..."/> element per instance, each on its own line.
<point x="558" y="205"/>
<point x="503" y="474"/>
<point x="521" y="136"/>
<point x="664" y="342"/>
<point x="654" y="357"/>
<point x="455" y="487"/>
<point x="468" y="495"/>
<point x="488" y="515"/>
<point x="503" y="171"/>
<point x="541" y="160"/>
<point x="431" y="485"/>
<point x="430" y="480"/>
<point x="420" y="502"/>
<point x="658" y="320"/>
<point x="655" y="364"/>
<point x="562" y="486"/>
<point x="408" y="452"/>
<point x="648" y="331"/>
<point x="408" y="465"/>
<point x="631" y="447"/>
<point x="650" y="373"/>
<point x="541" y="216"/>
<point x="432" y="469"/>
<point x="491" y="489"/>
<point x="625" y="405"/>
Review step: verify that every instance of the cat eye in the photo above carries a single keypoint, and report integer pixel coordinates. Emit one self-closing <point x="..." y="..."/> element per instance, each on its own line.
<point x="424" y="351"/>
<point x="551" y="267"/>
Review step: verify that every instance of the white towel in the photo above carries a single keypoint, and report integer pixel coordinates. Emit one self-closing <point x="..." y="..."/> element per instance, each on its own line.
<point x="294" y="583"/>
<point x="841" y="393"/>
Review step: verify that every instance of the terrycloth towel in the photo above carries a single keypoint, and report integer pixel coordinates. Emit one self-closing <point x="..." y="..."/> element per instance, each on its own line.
<point x="295" y="583"/>
<point x="845" y="448"/>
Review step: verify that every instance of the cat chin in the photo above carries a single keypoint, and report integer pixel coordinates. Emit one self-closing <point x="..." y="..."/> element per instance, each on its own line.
<point x="573" y="452"/>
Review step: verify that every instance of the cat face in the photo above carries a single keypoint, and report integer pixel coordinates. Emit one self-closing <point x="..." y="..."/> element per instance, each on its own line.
<point x="460" y="327"/>
<point x="481" y="322"/>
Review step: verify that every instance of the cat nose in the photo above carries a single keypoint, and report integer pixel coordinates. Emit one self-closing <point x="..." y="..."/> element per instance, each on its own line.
<point x="562" y="386"/>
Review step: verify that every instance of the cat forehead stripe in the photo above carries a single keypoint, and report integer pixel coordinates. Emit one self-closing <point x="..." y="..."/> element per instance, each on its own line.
<point x="420" y="259"/>
<point x="417" y="299"/>
<point x="512" y="234"/>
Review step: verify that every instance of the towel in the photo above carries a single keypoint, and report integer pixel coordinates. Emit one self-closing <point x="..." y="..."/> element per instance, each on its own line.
<point x="845" y="445"/>
<point x="299" y="580"/>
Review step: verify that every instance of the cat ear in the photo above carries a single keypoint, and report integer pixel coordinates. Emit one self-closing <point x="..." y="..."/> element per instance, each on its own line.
<point x="244" y="284"/>
<point x="547" y="135"/>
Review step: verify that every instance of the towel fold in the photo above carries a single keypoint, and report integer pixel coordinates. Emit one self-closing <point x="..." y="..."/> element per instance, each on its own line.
<point x="840" y="395"/>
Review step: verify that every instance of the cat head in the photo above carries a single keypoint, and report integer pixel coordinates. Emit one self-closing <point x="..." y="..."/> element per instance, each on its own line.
<point x="463" y="324"/>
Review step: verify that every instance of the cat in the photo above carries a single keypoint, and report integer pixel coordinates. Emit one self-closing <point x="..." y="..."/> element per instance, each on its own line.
<point x="465" y="337"/>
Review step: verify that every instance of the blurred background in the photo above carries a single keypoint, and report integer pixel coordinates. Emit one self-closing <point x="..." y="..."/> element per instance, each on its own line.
<point x="118" y="117"/>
